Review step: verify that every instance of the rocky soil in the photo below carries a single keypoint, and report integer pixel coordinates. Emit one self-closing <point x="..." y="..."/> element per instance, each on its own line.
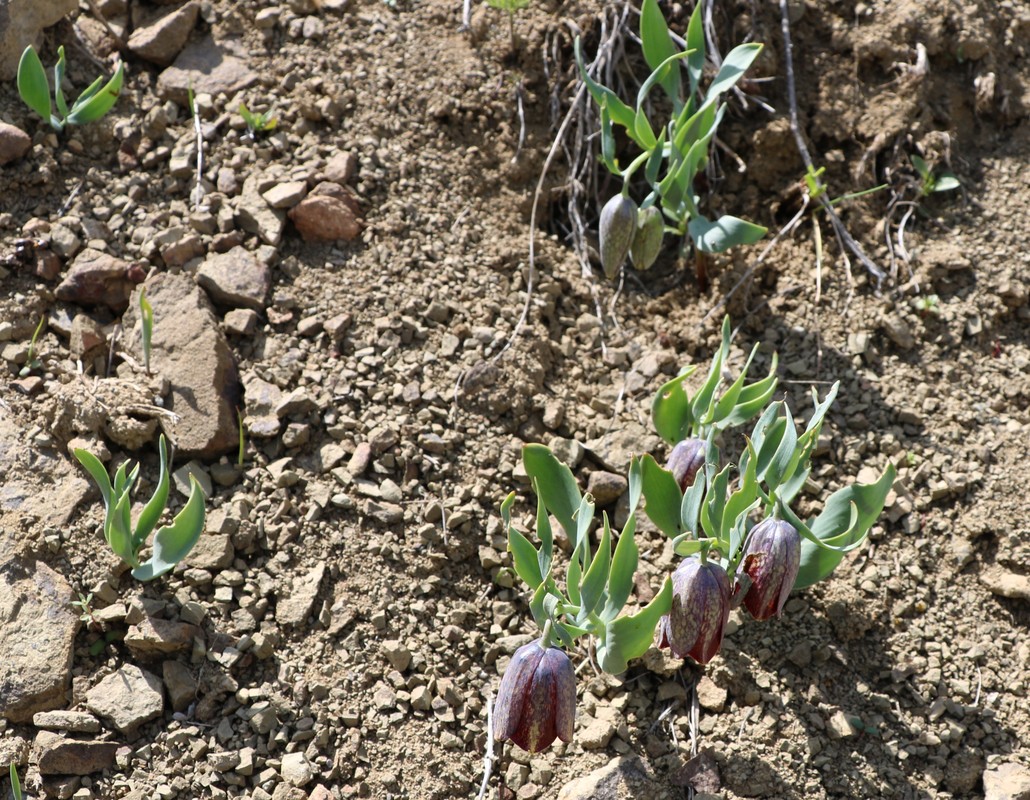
<point x="343" y="289"/>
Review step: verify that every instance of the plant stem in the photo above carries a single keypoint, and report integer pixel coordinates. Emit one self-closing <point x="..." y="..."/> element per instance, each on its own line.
<point x="633" y="167"/>
<point x="546" y="636"/>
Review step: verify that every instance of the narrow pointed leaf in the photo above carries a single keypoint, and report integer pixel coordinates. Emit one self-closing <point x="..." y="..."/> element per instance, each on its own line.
<point x="172" y="543"/>
<point x="525" y="558"/>
<point x="96" y="471"/>
<point x="59" y="69"/>
<point x="733" y="67"/>
<point x="596" y="577"/>
<point x="728" y="401"/>
<point x="662" y="497"/>
<point x="630" y="636"/>
<point x="696" y="46"/>
<point x="621" y="113"/>
<point x="96" y="105"/>
<point x="658" y="46"/>
<point x="152" y="511"/>
<point x="670" y="408"/>
<point x="701" y="405"/>
<point x="723" y="233"/>
<point x="624" y="567"/>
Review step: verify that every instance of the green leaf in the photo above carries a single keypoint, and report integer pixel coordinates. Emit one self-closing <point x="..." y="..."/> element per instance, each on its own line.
<point x="59" y="69"/>
<point x="945" y="182"/>
<point x="741" y="502"/>
<point x="685" y="545"/>
<point x="696" y="46"/>
<point x="172" y="543"/>
<point x="118" y="532"/>
<point x="723" y="233"/>
<point x="845" y="521"/>
<point x="608" y="141"/>
<point x="784" y="455"/>
<point x="735" y="65"/>
<point x="32" y="83"/>
<point x="631" y="636"/>
<point x="643" y="129"/>
<point x="525" y="558"/>
<point x="658" y="46"/>
<point x="152" y="511"/>
<point x="97" y="472"/>
<point x="751" y="400"/>
<point x="701" y="405"/>
<point x="662" y="497"/>
<point x="543" y="532"/>
<point x="146" y="313"/>
<point x="554" y="483"/>
<point x="654" y="163"/>
<point x="584" y="519"/>
<point x="621" y="114"/>
<point x="623" y="569"/>
<point x="715" y="503"/>
<point x="15" y="783"/>
<point x="596" y="577"/>
<point x="728" y="401"/>
<point x="658" y="76"/>
<point x="690" y="508"/>
<point x="90" y="108"/>
<point x="670" y="408"/>
<point x="921" y="166"/>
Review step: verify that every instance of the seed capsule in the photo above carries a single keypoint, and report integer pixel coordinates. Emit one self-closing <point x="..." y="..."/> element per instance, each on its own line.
<point x="647" y="242"/>
<point x="771" y="559"/>
<point x="685" y="460"/>
<point x="700" y="608"/>
<point x="617" y="228"/>
<point x="537" y="698"/>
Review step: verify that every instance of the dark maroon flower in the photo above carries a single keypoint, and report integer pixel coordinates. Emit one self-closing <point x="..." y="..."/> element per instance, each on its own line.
<point x="537" y="698"/>
<point x="771" y="559"/>
<point x="685" y="460"/>
<point x="700" y="607"/>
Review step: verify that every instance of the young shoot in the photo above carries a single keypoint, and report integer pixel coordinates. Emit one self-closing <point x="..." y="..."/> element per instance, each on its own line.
<point x="940" y="181"/>
<point x="172" y="543"/>
<point x="509" y="6"/>
<point x="97" y="99"/>
<point x="146" y="314"/>
<point x="32" y="361"/>
<point x="258" y="124"/>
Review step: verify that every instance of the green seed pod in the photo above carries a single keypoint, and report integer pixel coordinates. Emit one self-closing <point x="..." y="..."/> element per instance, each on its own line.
<point x="647" y="242"/>
<point x="618" y="226"/>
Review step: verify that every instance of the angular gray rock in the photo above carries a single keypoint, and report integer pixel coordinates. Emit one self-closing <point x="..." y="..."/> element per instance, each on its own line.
<point x="295" y="608"/>
<point x="152" y="637"/>
<point x="235" y="279"/>
<point x="127" y="698"/>
<point x="180" y="683"/>
<point x="190" y="350"/>
<point x="57" y="755"/>
<point x="71" y="721"/>
<point x="161" y="40"/>
<point x="254" y="215"/>
<point x="21" y="22"/>
<point x="37" y="634"/>
<point x="624" y="778"/>
<point x="1008" y="781"/>
<point x="211" y="66"/>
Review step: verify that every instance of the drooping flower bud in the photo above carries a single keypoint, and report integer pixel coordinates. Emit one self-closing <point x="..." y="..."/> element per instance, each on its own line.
<point x="647" y="242"/>
<point x="685" y="460"/>
<point x="537" y="698"/>
<point x="771" y="559"/>
<point x="700" y="608"/>
<point x="617" y="228"/>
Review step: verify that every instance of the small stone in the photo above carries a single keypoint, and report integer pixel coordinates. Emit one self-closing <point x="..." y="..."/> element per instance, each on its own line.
<point x="606" y="487"/>
<point x="286" y="195"/>
<point x="14" y="143"/>
<point x="360" y="459"/>
<point x="1007" y="781"/>
<point x="596" y="734"/>
<point x="97" y="278"/>
<point x="161" y="41"/>
<point x="899" y="332"/>
<point x="296" y="607"/>
<point x="296" y="769"/>
<point x="320" y="218"/>
<point x="397" y="654"/>
<point x="1005" y="583"/>
<point x="71" y="721"/>
<point x="241" y="321"/>
<point x="801" y="654"/>
<point x="711" y="696"/>
<point x="838" y="726"/>
<point x="254" y="215"/>
<point x="235" y="279"/>
<point x="87" y="335"/>
<point x="180" y="683"/>
<point x="56" y="755"/>
<point x="154" y="637"/>
<point x="213" y="552"/>
<point x="128" y="698"/>
<point x="341" y="168"/>
<point x="207" y="67"/>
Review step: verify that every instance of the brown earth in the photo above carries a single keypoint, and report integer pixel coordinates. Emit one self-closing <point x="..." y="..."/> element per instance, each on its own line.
<point x="363" y="619"/>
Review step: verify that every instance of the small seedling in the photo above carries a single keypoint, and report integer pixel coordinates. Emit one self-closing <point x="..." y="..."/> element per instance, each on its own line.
<point x="258" y="124"/>
<point x="32" y="361"/>
<point x="146" y="313"/>
<point x="84" y="604"/>
<point x="927" y="304"/>
<point x="91" y="105"/>
<point x="942" y="181"/>
<point x="509" y="6"/>
<point x="172" y="543"/>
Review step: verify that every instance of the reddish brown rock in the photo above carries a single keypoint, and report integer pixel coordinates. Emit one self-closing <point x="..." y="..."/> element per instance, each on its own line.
<point x="97" y="278"/>
<point x="321" y="218"/>
<point x="14" y="143"/>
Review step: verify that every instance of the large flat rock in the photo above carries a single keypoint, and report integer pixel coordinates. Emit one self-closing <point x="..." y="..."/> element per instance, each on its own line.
<point x="21" y="22"/>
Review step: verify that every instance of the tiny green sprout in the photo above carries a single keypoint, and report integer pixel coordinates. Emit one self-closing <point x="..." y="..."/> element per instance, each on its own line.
<point x="941" y="181"/>
<point x="258" y="124"/>
<point x="97" y="99"/>
<point x="146" y="313"/>
<point x="243" y="441"/>
<point x="31" y="360"/>
<point x="927" y="304"/>
<point x="509" y="6"/>
<point x="84" y="604"/>
<point x="172" y="543"/>
<point x="15" y="783"/>
<point x="813" y="182"/>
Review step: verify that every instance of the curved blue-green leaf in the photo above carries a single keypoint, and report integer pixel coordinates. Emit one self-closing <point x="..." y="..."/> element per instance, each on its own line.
<point x="715" y="504"/>
<point x="554" y="483"/>
<point x="728" y="400"/>
<point x="608" y="141"/>
<point x="152" y="511"/>
<point x="776" y="470"/>
<point x="696" y="46"/>
<point x="685" y="545"/>
<point x="543" y="533"/>
<point x="690" y="508"/>
<point x="621" y="114"/>
<point x="662" y="496"/>
<point x="95" y="102"/>
<point x="670" y="408"/>
<point x="658" y="46"/>
<point x="658" y="75"/>
<point x="584" y="519"/>
<point x="118" y="532"/>
<point x="653" y="167"/>
<point x="623" y="570"/>
<point x="752" y="399"/>
<point x="172" y="543"/>
<point x="59" y="69"/>
<point x="97" y="472"/>
<point x="32" y="83"/>
<point x="642" y="128"/>
<point x="723" y="233"/>
<point x="631" y="636"/>
<point x="844" y="523"/>
<point x="733" y="67"/>
<point x="701" y="405"/>
<point x="596" y="577"/>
